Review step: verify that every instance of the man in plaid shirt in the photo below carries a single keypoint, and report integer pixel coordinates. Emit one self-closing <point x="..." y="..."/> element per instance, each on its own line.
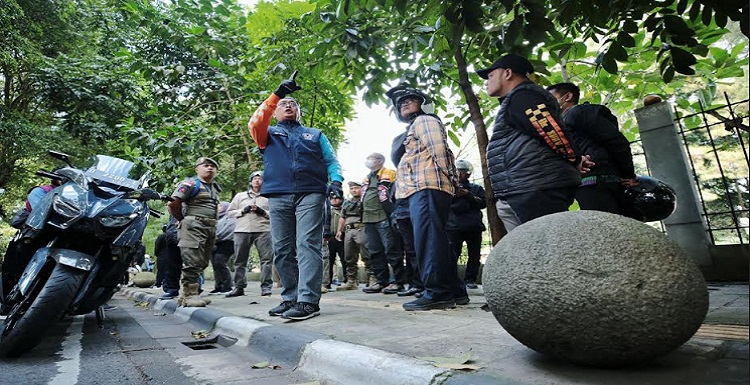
<point x="426" y="177"/>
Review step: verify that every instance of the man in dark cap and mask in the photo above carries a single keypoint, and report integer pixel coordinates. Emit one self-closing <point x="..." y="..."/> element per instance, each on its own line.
<point x="532" y="166"/>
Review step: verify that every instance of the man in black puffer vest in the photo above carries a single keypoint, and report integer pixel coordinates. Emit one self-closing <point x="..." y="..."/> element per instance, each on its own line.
<point x="532" y="166"/>
<point x="593" y="131"/>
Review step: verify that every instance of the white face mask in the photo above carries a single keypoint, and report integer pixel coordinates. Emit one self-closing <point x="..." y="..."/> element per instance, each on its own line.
<point x="373" y="164"/>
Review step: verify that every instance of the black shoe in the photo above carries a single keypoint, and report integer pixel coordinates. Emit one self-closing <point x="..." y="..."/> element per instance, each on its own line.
<point x="219" y="291"/>
<point x="462" y="300"/>
<point x="279" y="310"/>
<point x="236" y="292"/>
<point x="410" y="292"/>
<point x="266" y="291"/>
<point x="471" y="285"/>
<point x="301" y="311"/>
<point x="376" y="288"/>
<point x="423" y="303"/>
<point x="169" y="295"/>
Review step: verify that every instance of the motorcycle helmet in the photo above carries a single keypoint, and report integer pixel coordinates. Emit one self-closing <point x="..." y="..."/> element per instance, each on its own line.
<point x="402" y="91"/>
<point x="652" y="200"/>
<point x="463" y="164"/>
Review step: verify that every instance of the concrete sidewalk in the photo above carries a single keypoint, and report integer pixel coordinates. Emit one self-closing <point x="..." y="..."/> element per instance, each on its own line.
<point x="369" y="339"/>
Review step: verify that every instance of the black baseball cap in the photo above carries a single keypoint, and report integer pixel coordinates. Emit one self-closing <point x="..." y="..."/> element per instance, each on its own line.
<point x="516" y="63"/>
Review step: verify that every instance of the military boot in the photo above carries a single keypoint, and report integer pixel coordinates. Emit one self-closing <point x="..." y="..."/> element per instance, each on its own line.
<point x="193" y="299"/>
<point x="351" y="284"/>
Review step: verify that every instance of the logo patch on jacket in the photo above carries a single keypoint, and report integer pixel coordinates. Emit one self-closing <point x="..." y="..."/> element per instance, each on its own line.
<point x="307" y="136"/>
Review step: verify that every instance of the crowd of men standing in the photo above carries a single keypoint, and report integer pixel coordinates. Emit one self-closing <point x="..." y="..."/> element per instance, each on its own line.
<point x="408" y="226"/>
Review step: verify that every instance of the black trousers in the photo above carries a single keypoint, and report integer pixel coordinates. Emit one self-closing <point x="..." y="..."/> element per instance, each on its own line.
<point x="173" y="269"/>
<point x="406" y="230"/>
<point x="335" y="247"/>
<point x="473" y="241"/>
<point x="604" y="197"/>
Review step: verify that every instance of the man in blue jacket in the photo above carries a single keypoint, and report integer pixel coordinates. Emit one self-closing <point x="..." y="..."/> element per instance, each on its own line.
<point x="298" y="163"/>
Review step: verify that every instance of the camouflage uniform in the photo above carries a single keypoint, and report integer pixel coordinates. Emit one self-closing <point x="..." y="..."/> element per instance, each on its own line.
<point x="354" y="239"/>
<point x="198" y="227"/>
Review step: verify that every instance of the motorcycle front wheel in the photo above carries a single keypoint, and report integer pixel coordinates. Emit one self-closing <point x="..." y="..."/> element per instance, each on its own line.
<point x="26" y="324"/>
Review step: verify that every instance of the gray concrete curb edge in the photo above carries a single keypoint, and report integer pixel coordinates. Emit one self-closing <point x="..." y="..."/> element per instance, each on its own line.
<point x="313" y="353"/>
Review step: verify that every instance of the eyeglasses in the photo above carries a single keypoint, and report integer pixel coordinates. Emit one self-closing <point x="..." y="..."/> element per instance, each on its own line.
<point x="285" y="104"/>
<point x="408" y="101"/>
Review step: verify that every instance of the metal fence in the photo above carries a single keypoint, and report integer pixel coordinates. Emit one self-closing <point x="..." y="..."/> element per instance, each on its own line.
<point x="716" y="143"/>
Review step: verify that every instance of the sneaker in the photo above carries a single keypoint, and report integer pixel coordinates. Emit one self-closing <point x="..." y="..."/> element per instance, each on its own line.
<point x="265" y="291"/>
<point x="374" y="288"/>
<point x="323" y="290"/>
<point x="393" y="288"/>
<point x="236" y="292"/>
<point x="410" y="292"/>
<point x="218" y="291"/>
<point x="336" y="282"/>
<point x="462" y="300"/>
<point x="471" y="285"/>
<point x="279" y="310"/>
<point x="423" y="303"/>
<point x="301" y="311"/>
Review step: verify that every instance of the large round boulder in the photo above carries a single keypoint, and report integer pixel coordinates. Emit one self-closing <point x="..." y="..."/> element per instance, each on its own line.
<point x="144" y="279"/>
<point x="594" y="288"/>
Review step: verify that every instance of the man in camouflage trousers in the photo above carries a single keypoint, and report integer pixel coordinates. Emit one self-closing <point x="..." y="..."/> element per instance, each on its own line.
<point x="352" y="231"/>
<point x="195" y="207"/>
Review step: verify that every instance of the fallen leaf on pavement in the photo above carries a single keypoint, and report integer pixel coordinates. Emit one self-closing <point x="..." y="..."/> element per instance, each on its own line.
<point x="448" y="360"/>
<point x="160" y="314"/>
<point x="253" y="303"/>
<point x="140" y="304"/>
<point x="261" y="365"/>
<point x="199" y="334"/>
<point x="466" y="367"/>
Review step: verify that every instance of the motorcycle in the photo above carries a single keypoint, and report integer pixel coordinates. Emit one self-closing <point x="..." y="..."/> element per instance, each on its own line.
<point x="75" y="248"/>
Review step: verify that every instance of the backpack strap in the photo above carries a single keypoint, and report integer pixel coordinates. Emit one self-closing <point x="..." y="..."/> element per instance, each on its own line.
<point x="196" y="189"/>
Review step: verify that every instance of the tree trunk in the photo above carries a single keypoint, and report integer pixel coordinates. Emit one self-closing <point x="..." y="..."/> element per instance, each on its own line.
<point x="497" y="230"/>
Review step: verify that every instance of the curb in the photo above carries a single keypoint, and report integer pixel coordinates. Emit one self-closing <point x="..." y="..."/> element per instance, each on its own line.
<point x="313" y="353"/>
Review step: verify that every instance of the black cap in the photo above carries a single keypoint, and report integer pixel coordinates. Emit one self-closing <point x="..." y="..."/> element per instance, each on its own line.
<point x="517" y="64"/>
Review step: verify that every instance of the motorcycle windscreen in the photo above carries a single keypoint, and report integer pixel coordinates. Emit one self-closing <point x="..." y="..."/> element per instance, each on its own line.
<point x="115" y="173"/>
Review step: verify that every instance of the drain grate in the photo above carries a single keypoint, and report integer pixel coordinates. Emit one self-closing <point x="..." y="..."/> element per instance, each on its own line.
<point x="723" y="332"/>
<point x="202" y="344"/>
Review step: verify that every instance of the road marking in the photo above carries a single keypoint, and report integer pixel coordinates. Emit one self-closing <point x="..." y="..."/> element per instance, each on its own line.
<point x="723" y="332"/>
<point x="69" y="367"/>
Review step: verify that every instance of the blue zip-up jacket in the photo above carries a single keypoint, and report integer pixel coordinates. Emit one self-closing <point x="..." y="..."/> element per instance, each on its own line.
<point x="296" y="159"/>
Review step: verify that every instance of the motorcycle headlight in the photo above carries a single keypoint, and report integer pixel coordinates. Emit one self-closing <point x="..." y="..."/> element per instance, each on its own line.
<point x="65" y="208"/>
<point x="117" y="220"/>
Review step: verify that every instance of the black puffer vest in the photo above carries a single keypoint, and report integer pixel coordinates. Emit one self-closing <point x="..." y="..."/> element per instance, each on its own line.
<point x="520" y="163"/>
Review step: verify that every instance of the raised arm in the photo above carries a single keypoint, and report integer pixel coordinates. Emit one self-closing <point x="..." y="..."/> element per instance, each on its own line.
<point x="258" y="124"/>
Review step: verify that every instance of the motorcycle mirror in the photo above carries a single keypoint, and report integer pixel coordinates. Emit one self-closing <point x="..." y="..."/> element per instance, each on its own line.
<point x="60" y="156"/>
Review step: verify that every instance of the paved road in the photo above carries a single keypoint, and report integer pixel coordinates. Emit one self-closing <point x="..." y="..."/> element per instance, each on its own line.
<point x="136" y="346"/>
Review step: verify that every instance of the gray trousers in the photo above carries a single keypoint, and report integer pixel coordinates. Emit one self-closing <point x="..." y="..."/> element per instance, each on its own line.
<point x="242" y="243"/>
